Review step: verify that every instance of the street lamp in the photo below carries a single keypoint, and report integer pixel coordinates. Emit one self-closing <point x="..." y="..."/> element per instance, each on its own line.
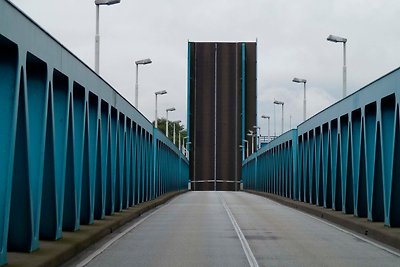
<point x="337" y="39"/>
<point x="166" y="123"/>
<point x="267" y="117"/>
<point x="99" y="3"/>
<point x="179" y="139"/>
<point x="175" y="122"/>
<point x="247" y="148"/>
<point x="163" y="92"/>
<point x="304" y="81"/>
<point x="139" y="62"/>
<point x="257" y="134"/>
<point x="187" y="149"/>
<point x="276" y="102"/>
<point x="252" y="134"/>
<point x="184" y="147"/>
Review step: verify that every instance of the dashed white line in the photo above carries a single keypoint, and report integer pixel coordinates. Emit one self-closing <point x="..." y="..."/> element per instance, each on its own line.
<point x="247" y="250"/>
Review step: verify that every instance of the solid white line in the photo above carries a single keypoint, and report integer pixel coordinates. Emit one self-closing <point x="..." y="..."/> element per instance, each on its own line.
<point x="247" y="250"/>
<point x="353" y="234"/>
<point x="116" y="238"/>
<point x="342" y="230"/>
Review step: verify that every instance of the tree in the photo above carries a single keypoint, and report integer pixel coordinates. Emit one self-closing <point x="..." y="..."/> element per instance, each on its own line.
<point x="178" y="127"/>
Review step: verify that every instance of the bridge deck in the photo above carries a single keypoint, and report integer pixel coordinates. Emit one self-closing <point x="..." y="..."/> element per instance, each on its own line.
<point x="197" y="229"/>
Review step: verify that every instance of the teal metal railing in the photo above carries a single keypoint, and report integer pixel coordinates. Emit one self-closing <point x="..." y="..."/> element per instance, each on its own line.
<point x="344" y="158"/>
<point x="273" y="168"/>
<point x="72" y="149"/>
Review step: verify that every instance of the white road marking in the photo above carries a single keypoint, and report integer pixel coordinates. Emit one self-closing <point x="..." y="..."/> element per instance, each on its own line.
<point x="87" y="260"/>
<point x="247" y="250"/>
<point x="353" y="234"/>
<point x="342" y="230"/>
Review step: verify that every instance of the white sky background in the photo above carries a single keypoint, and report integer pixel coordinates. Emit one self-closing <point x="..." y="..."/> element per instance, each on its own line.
<point x="291" y="43"/>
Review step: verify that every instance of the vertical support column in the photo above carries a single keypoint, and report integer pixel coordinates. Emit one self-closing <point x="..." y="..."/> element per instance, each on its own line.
<point x="155" y="161"/>
<point x="244" y="96"/>
<point x="9" y="94"/>
<point x="55" y="158"/>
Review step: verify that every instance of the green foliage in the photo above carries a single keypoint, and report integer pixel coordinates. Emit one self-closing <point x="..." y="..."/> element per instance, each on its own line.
<point x="178" y="127"/>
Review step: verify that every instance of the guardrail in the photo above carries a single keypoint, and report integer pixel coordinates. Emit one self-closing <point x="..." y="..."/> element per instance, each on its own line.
<point x="71" y="148"/>
<point x="273" y="168"/>
<point x="346" y="158"/>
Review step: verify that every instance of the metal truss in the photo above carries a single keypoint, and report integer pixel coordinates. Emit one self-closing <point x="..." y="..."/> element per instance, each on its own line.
<point x="344" y="158"/>
<point x="72" y="149"/>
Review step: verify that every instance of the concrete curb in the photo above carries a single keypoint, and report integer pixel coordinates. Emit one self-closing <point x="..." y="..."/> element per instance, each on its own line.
<point x="374" y="230"/>
<point x="55" y="253"/>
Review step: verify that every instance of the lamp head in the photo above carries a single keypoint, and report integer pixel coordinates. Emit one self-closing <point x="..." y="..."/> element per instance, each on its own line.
<point x="170" y="109"/>
<point x="278" y="102"/>
<point x="106" y="2"/>
<point x="163" y="92"/>
<point x="298" y="80"/>
<point x="336" y="39"/>
<point x="143" y="61"/>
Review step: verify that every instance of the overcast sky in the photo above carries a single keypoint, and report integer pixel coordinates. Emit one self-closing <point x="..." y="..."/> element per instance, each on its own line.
<point x="291" y="43"/>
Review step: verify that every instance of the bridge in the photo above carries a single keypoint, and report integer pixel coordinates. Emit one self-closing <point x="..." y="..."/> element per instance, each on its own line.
<point x="76" y="160"/>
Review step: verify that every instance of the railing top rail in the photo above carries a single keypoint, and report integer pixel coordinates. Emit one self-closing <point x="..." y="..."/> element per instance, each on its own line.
<point x="370" y="93"/>
<point x="161" y="137"/>
<point x="285" y="137"/>
<point x="29" y="36"/>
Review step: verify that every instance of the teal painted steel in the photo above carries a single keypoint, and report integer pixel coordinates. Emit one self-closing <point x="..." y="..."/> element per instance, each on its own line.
<point x="346" y="156"/>
<point x="188" y="97"/>
<point x="273" y="167"/>
<point x="244" y="98"/>
<point x="71" y="148"/>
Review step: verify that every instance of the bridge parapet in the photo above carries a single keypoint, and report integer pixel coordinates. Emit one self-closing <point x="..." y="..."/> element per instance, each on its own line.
<point x="273" y="168"/>
<point x="353" y="146"/>
<point x="346" y="155"/>
<point x="72" y="149"/>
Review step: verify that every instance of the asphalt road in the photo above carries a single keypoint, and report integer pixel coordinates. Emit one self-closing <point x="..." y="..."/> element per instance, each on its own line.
<point x="233" y="229"/>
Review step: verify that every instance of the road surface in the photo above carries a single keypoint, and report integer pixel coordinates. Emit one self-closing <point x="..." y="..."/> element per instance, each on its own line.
<point x="233" y="229"/>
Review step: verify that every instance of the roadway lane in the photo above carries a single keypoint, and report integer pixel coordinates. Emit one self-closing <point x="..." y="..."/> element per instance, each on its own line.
<point x="191" y="230"/>
<point x="196" y="229"/>
<point x="281" y="236"/>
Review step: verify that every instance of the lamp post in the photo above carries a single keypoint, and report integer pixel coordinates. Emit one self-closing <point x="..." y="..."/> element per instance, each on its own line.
<point x="304" y="81"/>
<point x="274" y="121"/>
<point x="252" y="134"/>
<point x="257" y="134"/>
<point x="183" y="145"/>
<point x="276" y="102"/>
<point x="175" y="122"/>
<point x="179" y="140"/>
<point x="337" y="39"/>
<point x="166" y="123"/>
<point x="99" y="3"/>
<point x="247" y="148"/>
<point x="163" y="92"/>
<point x="187" y="150"/>
<point x="139" y="62"/>
<point x="267" y="117"/>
